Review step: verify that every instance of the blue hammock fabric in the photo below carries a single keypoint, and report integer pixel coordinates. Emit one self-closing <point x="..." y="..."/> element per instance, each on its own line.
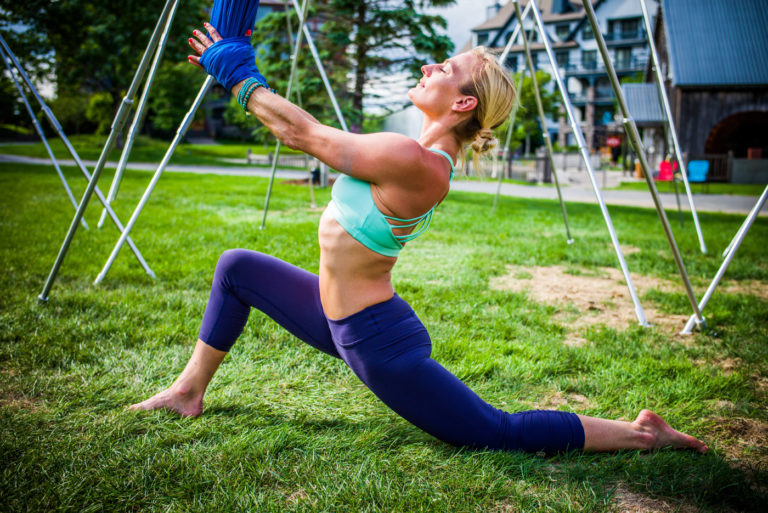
<point x="233" y="18"/>
<point x="232" y="59"/>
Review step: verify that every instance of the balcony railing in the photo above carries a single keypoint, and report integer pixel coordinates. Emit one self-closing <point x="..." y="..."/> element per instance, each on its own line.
<point x="617" y="37"/>
<point x="620" y="65"/>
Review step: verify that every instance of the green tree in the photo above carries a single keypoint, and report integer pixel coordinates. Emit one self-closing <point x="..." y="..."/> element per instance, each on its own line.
<point x="527" y="127"/>
<point x="384" y="37"/>
<point x="92" y="46"/>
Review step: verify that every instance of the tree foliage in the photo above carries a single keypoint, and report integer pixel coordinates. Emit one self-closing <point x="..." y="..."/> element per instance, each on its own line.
<point x="384" y="37"/>
<point x="527" y="124"/>
<point x="92" y="47"/>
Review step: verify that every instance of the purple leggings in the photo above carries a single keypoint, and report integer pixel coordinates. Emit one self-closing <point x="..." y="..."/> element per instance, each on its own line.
<point x="386" y="346"/>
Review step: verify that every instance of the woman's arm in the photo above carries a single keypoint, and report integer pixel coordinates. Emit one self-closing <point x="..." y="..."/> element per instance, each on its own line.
<point x="377" y="158"/>
<point x="374" y="158"/>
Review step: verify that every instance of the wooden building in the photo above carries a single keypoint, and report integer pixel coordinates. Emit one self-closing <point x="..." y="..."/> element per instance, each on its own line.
<point x="714" y="57"/>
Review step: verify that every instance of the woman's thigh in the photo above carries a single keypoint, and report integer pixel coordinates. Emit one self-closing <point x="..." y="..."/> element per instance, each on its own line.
<point x="286" y="293"/>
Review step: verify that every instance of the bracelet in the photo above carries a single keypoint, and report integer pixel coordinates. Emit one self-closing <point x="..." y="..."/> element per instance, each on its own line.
<point x="247" y="90"/>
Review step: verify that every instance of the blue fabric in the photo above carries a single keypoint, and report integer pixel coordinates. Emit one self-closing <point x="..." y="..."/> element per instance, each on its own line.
<point x="232" y="59"/>
<point x="386" y="346"/>
<point x="233" y="18"/>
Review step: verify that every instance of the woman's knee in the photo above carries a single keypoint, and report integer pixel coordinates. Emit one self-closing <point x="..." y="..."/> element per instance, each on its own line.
<point x="232" y="263"/>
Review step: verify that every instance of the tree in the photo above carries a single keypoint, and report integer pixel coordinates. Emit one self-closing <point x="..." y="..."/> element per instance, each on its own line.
<point x="92" y="46"/>
<point x="384" y="37"/>
<point x="527" y="128"/>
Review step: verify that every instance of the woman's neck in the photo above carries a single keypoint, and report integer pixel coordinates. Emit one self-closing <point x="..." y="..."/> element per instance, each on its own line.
<point x="439" y="134"/>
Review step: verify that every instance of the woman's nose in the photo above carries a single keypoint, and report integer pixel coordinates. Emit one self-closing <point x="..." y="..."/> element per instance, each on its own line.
<point x="426" y="70"/>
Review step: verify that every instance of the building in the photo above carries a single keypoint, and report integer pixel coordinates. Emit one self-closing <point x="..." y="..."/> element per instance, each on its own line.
<point x="576" y="54"/>
<point x="714" y="58"/>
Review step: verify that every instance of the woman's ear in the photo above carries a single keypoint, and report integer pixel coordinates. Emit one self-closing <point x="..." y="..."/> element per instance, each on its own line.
<point x="465" y="104"/>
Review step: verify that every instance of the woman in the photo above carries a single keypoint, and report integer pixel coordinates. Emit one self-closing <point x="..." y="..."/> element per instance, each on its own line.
<point x="385" y="197"/>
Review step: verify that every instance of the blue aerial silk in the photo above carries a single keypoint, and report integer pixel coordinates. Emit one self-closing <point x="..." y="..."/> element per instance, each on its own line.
<point x="232" y="59"/>
<point x="233" y="18"/>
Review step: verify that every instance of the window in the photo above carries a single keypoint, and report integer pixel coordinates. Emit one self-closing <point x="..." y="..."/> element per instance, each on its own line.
<point x="589" y="59"/>
<point x="562" y="31"/>
<point x="511" y="62"/>
<point x="482" y="38"/>
<point x="586" y="32"/>
<point x="562" y="59"/>
<point x="532" y="35"/>
<point x="624" y="29"/>
<point x="623" y="58"/>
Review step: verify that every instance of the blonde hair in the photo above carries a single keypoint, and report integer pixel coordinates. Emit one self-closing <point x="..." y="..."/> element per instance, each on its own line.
<point x="495" y="94"/>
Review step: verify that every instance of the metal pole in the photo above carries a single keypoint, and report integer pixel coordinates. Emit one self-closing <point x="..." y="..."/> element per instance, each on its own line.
<point x="513" y="37"/>
<point x="727" y="250"/>
<point x="542" y="117"/>
<point x="177" y="138"/>
<point x="291" y="76"/>
<point x="92" y="179"/>
<point x="502" y="58"/>
<point x="40" y="132"/>
<point x="512" y="118"/>
<point x="735" y="243"/>
<point x="138" y="117"/>
<point x="634" y="137"/>
<point x="321" y="69"/>
<point x="671" y="123"/>
<point x="299" y="102"/>
<point x="588" y="164"/>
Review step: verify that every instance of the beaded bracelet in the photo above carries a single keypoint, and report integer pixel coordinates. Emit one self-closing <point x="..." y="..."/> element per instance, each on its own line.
<point x="247" y="90"/>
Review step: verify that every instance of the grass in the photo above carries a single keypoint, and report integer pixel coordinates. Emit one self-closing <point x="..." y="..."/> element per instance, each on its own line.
<point x="738" y="189"/>
<point x="287" y="428"/>
<point x="145" y="149"/>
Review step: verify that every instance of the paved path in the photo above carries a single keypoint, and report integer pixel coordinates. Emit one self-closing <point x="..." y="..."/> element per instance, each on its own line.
<point x="576" y="186"/>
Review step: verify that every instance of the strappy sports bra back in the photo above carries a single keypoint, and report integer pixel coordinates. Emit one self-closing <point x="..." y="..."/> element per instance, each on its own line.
<point x="352" y="206"/>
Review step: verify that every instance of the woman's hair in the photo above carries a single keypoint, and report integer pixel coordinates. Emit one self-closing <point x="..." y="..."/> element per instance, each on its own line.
<point x="495" y="94"/>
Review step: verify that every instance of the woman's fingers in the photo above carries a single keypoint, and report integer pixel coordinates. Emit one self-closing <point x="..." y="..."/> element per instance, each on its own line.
<point x="213" y="32"/>
<point x="194" y="60"/>
<point x="201" y="43"/>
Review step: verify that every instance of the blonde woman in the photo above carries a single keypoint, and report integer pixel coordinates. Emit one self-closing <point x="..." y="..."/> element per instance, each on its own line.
<point x="389" y="189"/>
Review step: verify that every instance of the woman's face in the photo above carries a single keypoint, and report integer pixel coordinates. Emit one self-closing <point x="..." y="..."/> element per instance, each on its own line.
<point x="438" y="90"/>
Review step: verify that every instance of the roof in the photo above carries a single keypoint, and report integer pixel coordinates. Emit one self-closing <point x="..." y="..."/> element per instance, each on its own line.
<point x="717" y="42"/>
<point x="507" y="11"/>
<point x="643" y="103"/>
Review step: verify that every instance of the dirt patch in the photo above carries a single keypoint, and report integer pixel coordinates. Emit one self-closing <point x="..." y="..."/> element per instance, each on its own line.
<point x="632" y="502"/>
<point x="558" y="399"/>
<point x="747" y="439"/>
<point x="600" y="297"/>
<point x="749" y="287"/>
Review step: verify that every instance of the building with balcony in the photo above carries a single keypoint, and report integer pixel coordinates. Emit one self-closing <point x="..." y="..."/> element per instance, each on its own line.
<point x="577" y="56"/>
<point x="714" y="60"/>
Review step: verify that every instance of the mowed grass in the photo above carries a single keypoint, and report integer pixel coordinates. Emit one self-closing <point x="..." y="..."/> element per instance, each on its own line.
<point x="287" y="428"/>
<point x="145" y="149"/>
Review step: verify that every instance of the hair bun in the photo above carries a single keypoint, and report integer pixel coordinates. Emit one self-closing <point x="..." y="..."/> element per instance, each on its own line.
<point x="484" y="140"/>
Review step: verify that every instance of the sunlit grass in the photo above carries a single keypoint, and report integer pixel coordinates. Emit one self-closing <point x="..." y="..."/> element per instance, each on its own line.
<point x="287" y="428"/>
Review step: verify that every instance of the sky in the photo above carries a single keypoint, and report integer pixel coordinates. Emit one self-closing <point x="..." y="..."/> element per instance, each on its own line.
<point x="462" y="16"/>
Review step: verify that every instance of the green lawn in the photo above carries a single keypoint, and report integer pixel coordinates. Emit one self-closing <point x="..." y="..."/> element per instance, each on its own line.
<point x="698" y="188"/>
<point x="287" y="428"/>
<point x="145" y="149"/>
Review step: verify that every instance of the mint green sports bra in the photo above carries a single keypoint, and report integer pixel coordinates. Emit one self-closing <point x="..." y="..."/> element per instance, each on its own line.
<point x="352" y="206"/>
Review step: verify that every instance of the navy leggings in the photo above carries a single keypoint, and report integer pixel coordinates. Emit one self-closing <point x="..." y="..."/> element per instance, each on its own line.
<point x="386" y="346"/>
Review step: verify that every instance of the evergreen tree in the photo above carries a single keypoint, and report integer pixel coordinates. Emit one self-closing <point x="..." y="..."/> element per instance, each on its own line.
<point x="384" y="37"/>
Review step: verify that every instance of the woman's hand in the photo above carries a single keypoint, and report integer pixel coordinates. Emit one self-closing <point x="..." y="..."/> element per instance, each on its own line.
<point x="230" y="60"/>
<point x="201" y="42"/>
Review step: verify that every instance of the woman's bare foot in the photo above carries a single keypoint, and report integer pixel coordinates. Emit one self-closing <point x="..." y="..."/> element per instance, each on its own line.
<point x="177" y="398"/>
<point x="660" y="434"/>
